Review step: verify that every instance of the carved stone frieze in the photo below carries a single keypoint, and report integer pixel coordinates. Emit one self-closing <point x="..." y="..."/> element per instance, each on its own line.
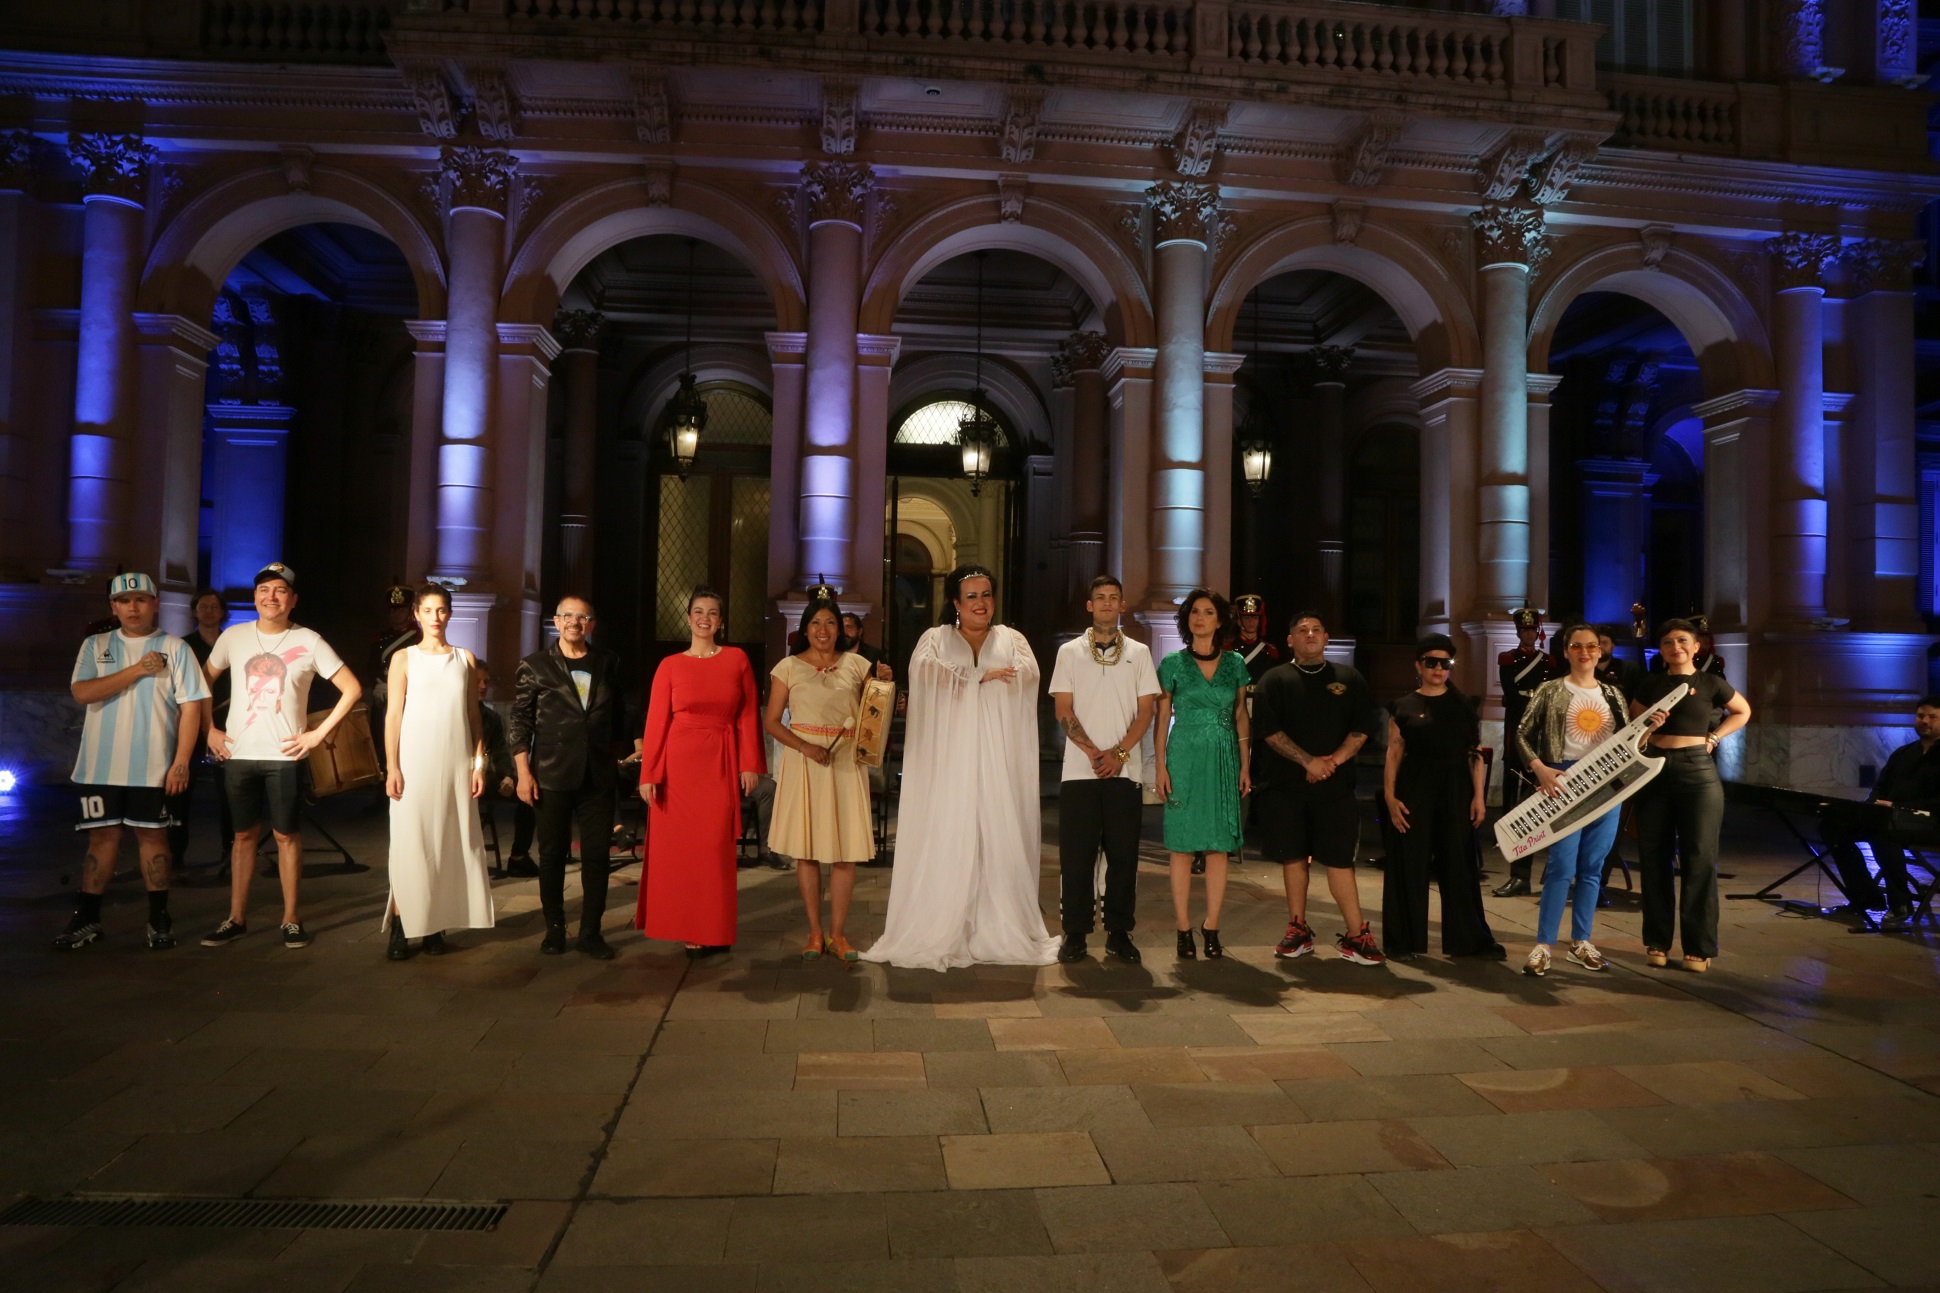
<point x="1348" y="217"/>
<point x="1506" y="170"/>
<point x="426" y="81"/>
<point x="1800" y="259"/>
<point x="1365" y="159"/>
<point x="578" y="329"/>
<point x="1185" y="210"/>
<point x="1010" y="198"/>
<point x="297" y="164"/>
<point x="1197" y="144"/>
<point x="1511" y="234"/>
<point x="836" y="191"/>
<point x="1800" y="33"/>
<point x="1128" y="222"/>
<point x="1657" y="240"/>
<point x="17" y="155"/>
<point x="653" y="117"/>
<point x="1017" y="143"/>
<point x="114" y="166"/>
<point x="841" y="115"/>
<point x="1883" y="264"/>
<point x="493" y="108"/>
<point x="660" y="184"/>
<point x="1550" y="181"/>
<point x="1893" y="45"/>
<point x="477" y="177"/>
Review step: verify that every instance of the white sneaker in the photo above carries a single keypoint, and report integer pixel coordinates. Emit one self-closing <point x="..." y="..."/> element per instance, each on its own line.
<point x="1584" y="953"/>
<point x="1538" y="963"/>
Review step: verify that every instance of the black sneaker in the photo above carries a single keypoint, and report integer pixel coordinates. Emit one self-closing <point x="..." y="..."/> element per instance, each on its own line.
<point x="294" y="936"/>
<point x="161" y="933"/>
<point x="554" y="943"/>
<point x="1072" y="948"/>
<point x="225" y="933"/>
<point x="1120" y="945"/>
<point x="79" y="933"/>
<point x="589" y="943"/>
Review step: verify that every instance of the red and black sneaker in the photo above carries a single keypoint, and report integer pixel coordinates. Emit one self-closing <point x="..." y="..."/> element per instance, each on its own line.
<point x="1299" y="941"/>
<point x="1361" y="948"/>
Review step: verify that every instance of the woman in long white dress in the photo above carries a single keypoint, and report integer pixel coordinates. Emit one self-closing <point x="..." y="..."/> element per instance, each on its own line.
<point x="966" y="878"/>
<point x="435" y="745"/>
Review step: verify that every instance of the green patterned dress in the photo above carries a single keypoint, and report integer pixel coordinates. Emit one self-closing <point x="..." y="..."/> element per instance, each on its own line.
<point x="1202" y="754"/>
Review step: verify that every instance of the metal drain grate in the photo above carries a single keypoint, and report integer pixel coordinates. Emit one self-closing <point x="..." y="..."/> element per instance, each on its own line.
<point x="255" y="1214"/>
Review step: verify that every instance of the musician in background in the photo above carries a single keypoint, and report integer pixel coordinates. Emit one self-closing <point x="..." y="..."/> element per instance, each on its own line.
<point x="1567" y="718"/>
<point x="1680" y="811"/>
<point x="1910" y="780"/>
<point x="1432" y="782"/>
<point x="1521" y="672"/>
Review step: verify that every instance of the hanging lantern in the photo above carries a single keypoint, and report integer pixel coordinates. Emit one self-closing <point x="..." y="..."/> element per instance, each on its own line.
<point x="977" y="437"/>
<point x="687" y="418"/>
<point x="1256" y="464"/>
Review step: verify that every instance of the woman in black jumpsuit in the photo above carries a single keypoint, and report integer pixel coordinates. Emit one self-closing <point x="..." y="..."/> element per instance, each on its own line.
<point x="1433" y="783"/>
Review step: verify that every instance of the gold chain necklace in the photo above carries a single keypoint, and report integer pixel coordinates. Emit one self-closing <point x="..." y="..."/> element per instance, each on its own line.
<point x="1109" y="656"/>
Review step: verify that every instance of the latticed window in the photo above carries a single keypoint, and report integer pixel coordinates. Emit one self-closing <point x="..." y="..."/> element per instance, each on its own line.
<point x="714" y="525"/>
<point x="683" y="551"/>
<point x="748" y="558"/>
<point x="935" y="423"/>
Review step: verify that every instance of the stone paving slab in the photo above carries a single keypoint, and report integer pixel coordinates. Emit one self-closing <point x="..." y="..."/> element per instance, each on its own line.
<point x="754" y="1122"/>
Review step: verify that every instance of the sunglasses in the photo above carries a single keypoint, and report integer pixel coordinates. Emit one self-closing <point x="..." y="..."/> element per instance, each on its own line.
<point x="1434" y="662"/>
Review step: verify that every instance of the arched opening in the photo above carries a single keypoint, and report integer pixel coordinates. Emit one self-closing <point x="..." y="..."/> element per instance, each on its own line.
<point x="659" y="530"/>
<point x="1327" y="528"/>
<point x="1626" y="466"/>
<point x="306" y="427"/>
<point x="1030" y="307"/>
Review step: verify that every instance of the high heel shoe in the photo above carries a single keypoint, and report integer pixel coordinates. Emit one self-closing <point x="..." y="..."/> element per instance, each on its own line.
<point x="1214" y="952"/>
<point x="1187" y="952"/>
<point x="399" y="948"/>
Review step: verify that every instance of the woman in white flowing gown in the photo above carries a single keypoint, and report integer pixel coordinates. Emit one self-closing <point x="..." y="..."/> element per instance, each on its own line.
<point x="435" y="743"/>
<point x="965" y="885"/>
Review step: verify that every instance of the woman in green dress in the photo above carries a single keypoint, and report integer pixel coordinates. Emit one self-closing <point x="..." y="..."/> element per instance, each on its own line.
<point x="1202" y="749"/>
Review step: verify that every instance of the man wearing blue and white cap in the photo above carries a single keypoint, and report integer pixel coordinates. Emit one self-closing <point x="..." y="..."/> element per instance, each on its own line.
<point x="145" y="695"/>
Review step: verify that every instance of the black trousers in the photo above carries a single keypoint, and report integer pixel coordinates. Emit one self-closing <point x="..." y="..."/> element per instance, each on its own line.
<point x="1888" y="850"/>
<point x="590" y="808"/>
<point x="1439" y="844"/>
<point x="1101" y="812"/>
<point x="1678" y="817"/>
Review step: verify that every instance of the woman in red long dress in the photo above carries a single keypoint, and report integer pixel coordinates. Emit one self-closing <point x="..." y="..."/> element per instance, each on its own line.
<point x="701" y="753"/>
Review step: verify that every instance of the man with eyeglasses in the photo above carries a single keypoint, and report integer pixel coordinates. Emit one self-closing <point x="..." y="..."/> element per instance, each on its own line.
<point x="568" y="724"/>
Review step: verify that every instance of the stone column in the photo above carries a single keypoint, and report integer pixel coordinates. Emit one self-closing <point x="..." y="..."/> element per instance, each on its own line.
<point x="836" y="194"/>
<point x="165" y="514"/>
<point x="1737" y="510"/>
<point x="1884" y="503"/>
<point x="1217" y="571"/>
<point x="1185" y="221"/>
<point x="16" y="252"/>
<point x="1450" y="401"/>
<point x="786" y="352"/>
<point x="1082" y="358"/>
<point x="1330" y="517"/>
<point x="508" y="613"/>
<point x="100" y="460"/>
<point x="1127" y="378"/>
<point x="1801" y="39"/>
<point x="1511" y="239"/>
<point x="1798" y="482"/>
<point x="578" y="334"/>
<point x="876" y="359"/>
<point x="478" y="180"/>
<point x="421" y="456"/>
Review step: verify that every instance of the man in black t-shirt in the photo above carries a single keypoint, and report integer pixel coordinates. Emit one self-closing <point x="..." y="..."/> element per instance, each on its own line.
<point x="1910" y="780"/>
<point x="1310" y="718"/>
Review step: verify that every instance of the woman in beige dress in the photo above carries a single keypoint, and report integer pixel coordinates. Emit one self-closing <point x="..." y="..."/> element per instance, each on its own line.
<point x="821" y="792"/>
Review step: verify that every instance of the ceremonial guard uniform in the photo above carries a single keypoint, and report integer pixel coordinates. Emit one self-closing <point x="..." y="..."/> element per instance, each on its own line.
<point x="1249" y="612"/>
<point x="1521" y="670"/>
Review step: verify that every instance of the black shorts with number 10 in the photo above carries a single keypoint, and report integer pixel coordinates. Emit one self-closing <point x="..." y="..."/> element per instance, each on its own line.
<point x="144" y="806"/>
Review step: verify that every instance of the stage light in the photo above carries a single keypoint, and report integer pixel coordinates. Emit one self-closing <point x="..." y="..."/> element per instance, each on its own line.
<point x="8" y="781"/>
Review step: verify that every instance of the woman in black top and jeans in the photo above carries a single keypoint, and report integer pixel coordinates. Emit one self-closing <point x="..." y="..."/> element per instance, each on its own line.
<point x="1433" y="783"/>
<point x="1679" y="813"/>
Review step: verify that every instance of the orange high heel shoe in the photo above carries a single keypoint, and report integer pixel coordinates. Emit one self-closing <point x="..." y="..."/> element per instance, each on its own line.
<point x="839" y="946"/>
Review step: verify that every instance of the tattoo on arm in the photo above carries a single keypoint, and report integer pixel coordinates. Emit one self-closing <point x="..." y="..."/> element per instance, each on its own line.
<point x="1286" y="749"/>
<point x="1075" y="730"/>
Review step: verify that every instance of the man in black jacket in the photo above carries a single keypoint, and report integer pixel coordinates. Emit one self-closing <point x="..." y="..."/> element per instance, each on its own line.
<point x="1910" y="780"/>
<point x="568" y="722"/>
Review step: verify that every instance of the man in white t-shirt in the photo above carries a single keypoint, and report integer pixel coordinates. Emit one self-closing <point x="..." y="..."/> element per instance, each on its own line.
<point x="262" y="751"/>
<point x="1104" y="689"/>
<point x="145" y="696"/>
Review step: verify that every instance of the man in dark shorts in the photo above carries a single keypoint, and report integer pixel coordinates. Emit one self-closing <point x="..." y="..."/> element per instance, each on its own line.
<point x="1310" y="718"/>
<point x="144" y="694"/>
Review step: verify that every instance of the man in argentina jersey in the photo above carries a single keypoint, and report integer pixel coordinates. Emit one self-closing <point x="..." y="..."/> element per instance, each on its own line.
<point x="144" y="693"/>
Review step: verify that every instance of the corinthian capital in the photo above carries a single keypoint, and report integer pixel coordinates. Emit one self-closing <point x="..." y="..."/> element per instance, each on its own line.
<point x="1512" y="234"/>
<point x="16" y="161"/>
<point x="578" y="329"/>
<point x="1184" y="211"/>
<point x="1084" y="352"/>
<point x="478" y="177"/>
<point x="116" y="166"/>
<point x="1799" y="259"/>
<point x="1801" y="39"/>
<point x="1330" y="362"/>
<point x="1883" y="264"/>
<point x="837" y="191"/>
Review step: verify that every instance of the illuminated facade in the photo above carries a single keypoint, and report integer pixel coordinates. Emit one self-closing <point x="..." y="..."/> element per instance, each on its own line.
<point x="405" y="289"/>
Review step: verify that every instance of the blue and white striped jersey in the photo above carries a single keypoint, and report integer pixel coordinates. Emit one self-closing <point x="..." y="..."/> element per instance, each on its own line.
<point x="129" y="739"/>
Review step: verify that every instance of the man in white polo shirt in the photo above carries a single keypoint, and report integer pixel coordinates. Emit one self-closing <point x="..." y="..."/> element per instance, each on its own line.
<point x="1104" y="689"/>
<point x="262" y="751"/>
<point x="145" y="694"/>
